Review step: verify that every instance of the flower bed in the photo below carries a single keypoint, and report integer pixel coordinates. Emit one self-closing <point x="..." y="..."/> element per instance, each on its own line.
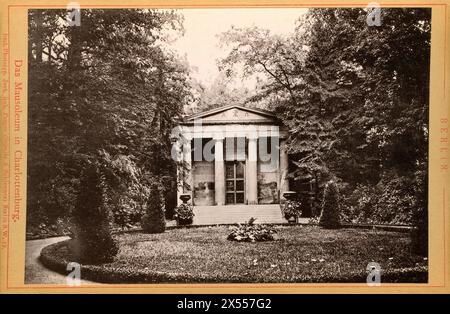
<point x="251" y="232"/>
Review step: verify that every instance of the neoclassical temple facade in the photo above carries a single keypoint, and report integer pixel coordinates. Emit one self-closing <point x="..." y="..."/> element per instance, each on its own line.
<point x="232" y="155"/>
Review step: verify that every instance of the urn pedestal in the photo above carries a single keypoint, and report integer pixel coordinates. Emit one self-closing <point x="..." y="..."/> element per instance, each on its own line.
<point x="184" y="222"/>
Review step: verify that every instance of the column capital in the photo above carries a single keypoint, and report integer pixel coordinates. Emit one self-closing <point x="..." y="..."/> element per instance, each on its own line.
<point x="252" y="136"/>
<point x="219" y="137"/>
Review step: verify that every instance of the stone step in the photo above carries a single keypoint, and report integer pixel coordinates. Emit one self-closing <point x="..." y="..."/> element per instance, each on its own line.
<point x="237" y="214"/>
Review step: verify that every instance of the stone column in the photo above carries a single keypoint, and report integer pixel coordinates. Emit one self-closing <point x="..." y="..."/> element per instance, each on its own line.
<point x="187" y="157"/>
<point x="180" y="179"/>
<point x="284" y="168"/>
<point x="219" y="171"/>
<point x="252" y="170"/>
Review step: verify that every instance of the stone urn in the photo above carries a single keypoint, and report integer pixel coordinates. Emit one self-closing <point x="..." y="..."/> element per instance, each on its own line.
<point x="185" y="198"/>
<point x="290" y="195"/>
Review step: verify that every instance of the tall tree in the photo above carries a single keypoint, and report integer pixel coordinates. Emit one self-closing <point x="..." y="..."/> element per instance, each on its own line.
<point x="109" y="90"/>
<point x="354" y="96"/>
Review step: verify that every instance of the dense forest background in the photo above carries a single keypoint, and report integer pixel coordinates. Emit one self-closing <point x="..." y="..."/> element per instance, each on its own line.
<point x="109" y="92"/>
<point x="355" y="98"/>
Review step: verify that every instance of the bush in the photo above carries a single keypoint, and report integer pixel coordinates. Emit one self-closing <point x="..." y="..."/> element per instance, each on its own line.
<point x="330" y="207"/>
<point x="128" y="205"/>
<point x="170" y="201"/>
<point x="250" y="232"/>
<point x="127" y="191"/>
<point x="60" y="228"/>
<point x="154" y="220"/>
<point x="419" y="233"/>
<point x="391" y="201"/>
<point x="50" y="198"/>
<point x="419" y="236"/>
<point x="93" y="240"/>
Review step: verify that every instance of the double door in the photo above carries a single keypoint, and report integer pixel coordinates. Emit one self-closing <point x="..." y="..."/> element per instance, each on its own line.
<point x="235" y="182"/>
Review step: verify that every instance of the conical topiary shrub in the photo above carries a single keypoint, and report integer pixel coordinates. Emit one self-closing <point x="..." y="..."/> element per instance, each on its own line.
<point x="93" y="242"/>
<point x="329" y="217"/>
<point x="154" y="219"/>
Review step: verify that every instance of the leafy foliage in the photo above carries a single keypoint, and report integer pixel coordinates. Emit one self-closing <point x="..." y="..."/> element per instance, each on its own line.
<point x="251" y="232"/>
<point x="355" y="99"/>
<point x="108" y="91"/>
<point x="329" y="218"/>
<point x="420" y="214"/>
<point x="392" y="200"/>
<point x="221" y="92"/>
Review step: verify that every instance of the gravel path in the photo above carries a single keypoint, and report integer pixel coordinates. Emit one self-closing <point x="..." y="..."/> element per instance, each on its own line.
<point x="35" y="272"/>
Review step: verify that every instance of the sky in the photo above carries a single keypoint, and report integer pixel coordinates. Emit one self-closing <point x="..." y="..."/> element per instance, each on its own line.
<point x="200" y="44"/>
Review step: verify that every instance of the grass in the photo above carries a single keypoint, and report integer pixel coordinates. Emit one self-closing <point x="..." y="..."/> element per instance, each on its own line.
<point x="301" y="254"/>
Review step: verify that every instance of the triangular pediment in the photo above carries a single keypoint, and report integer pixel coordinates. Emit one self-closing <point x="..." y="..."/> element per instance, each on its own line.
<point x="233" y="114"/>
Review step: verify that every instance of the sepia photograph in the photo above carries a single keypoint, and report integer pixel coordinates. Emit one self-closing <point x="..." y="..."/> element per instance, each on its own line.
<point x="227" y="145"/>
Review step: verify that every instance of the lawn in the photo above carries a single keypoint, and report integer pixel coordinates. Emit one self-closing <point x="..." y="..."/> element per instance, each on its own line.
<point x="300" y="254"/>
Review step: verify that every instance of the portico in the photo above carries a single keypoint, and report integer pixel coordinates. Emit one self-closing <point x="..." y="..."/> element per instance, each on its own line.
<point x="232" y="155"/>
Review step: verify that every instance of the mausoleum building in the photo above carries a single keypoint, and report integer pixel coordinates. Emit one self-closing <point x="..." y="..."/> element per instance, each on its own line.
<point x="232" y="155"/>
